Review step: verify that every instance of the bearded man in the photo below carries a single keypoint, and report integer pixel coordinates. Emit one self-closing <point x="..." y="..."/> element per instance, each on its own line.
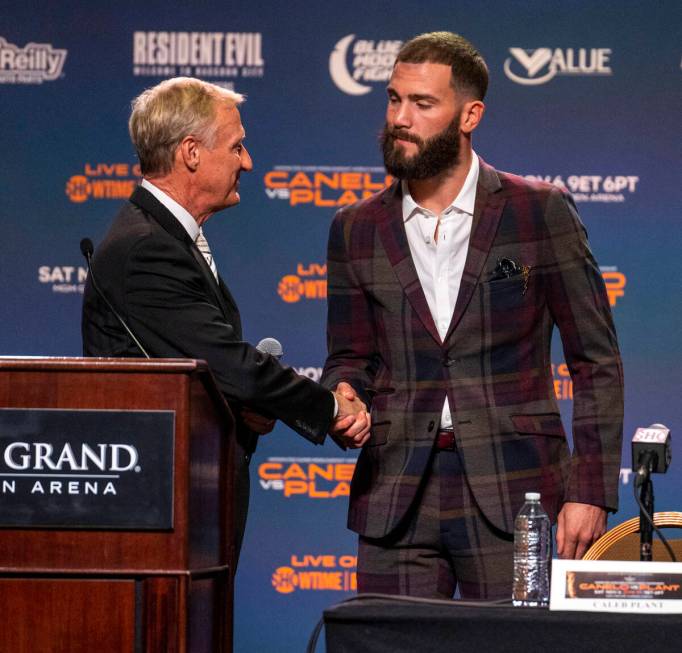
<point x="444" y="290"/>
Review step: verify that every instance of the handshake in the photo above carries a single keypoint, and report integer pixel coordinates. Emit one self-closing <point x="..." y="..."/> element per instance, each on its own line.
<point x="350" y="427"/>
<point x="352" y="423"/>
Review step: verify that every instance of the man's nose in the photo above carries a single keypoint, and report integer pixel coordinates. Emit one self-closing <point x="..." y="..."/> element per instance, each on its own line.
<point x="247" y="162"/>
<point x="402" y="117"/>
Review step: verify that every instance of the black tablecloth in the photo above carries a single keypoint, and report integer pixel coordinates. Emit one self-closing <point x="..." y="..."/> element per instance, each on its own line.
<point x="386" y="626"/>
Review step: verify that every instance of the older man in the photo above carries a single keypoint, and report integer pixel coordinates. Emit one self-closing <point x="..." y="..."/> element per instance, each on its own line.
<point x="444" y="291"/>
<point x="155" y="268"/>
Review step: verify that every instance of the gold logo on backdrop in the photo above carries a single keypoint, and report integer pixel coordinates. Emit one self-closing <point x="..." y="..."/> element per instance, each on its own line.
<point x="309" y="282"/>
<point x="103" y="181"/>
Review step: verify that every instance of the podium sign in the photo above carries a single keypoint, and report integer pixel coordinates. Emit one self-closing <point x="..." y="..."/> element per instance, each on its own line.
<point x="86" y="468"/>
<point x="616" y="586"/>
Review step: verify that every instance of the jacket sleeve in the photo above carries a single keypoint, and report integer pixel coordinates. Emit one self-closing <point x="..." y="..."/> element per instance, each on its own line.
<point x="167" y="306"/>
<point x="580" y="307"/>
<point x="350" y="321"/>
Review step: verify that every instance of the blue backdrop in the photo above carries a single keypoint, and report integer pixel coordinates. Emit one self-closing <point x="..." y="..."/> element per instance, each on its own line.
<point x="584" y="94"/>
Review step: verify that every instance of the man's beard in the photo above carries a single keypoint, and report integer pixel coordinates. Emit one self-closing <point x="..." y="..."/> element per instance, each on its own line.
<point x="434" y="155"/>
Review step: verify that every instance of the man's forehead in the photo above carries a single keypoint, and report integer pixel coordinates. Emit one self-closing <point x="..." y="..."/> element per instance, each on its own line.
<point x="230" y="118"/>
<point x="229" y="111"/>
<point x="427" y="74"/>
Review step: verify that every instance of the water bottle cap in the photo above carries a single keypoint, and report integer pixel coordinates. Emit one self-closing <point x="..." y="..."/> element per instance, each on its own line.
<point x="532" y="496"/>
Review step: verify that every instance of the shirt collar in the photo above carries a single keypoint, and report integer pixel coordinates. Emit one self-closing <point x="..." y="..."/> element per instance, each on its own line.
<point x="180" y="213"/>
<point x="464" y="201"/>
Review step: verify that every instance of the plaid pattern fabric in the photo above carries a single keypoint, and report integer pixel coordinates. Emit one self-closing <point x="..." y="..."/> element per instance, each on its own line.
<point x="447" y="542"/>
<point x="494" y="363"/>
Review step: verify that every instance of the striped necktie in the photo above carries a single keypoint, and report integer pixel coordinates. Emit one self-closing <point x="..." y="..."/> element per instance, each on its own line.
<point x="205" y="250"/>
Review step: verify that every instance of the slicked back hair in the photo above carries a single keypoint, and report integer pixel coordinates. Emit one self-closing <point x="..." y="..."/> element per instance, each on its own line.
<point x="469" y="70"/>
<point x="165" y="114"/>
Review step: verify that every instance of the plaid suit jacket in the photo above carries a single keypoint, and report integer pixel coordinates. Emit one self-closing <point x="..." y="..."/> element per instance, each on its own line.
<point x="494" y="363"/>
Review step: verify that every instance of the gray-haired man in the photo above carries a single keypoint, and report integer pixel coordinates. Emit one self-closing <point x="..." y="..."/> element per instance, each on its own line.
<point x="155" y="267"/>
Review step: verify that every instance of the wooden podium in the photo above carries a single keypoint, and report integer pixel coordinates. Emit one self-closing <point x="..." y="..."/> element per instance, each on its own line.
<point x="72" y="588"/>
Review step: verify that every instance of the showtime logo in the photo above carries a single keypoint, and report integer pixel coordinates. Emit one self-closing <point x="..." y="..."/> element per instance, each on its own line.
<point x="103" y="181"/>
<point x="324" y="186"/>
<point x="35" y="63"/>
<point x="313" y="478"/>
<point x="370" y="61"/>
<point x="534" y="67"/>
<point x="316" y="572"/>
<point x="309" y="282"/>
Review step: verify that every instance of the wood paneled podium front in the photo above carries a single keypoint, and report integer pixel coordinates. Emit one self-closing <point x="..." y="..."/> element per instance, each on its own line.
<point x="162" y="583"/>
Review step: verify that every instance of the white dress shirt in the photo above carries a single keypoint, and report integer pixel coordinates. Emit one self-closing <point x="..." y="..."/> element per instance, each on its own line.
<point x="180" y="213"/>
<point x="440" y="264"/>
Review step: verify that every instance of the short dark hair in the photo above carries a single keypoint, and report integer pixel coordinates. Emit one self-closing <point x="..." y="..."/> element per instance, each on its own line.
<point x="469" y="70"/>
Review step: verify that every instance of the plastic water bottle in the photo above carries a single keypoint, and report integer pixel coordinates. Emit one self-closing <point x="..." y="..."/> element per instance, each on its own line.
<point x="532" y="533"/>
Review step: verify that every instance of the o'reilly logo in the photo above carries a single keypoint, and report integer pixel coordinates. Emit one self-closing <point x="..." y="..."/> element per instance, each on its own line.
<point x="539" y="66"/>
<point x="35" y="63"/>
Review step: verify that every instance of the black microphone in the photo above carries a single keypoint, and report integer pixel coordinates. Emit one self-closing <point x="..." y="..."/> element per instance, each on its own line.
<point x="87" y="249"/>
<point x="271" y="346"/>
<point x="651" y="451"/>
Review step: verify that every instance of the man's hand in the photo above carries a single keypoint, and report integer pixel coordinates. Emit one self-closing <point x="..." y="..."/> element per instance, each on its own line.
<point x="257" y="423"/>
<point x="578" y="525"/>
<point x="352" y="423"/>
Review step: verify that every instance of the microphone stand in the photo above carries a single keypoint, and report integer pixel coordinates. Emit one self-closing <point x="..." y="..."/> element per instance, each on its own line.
<point x="645" y="526"/>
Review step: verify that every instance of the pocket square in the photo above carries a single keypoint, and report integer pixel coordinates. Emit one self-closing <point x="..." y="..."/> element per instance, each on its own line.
<point x="507" y="268"/>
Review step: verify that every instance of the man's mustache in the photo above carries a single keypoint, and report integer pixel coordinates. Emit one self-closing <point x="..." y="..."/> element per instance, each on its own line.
<point x="405" y="136"/>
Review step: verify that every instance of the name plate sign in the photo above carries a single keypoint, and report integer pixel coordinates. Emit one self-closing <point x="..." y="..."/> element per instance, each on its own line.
<point x="616" y="586"/>
<point x="95" y="469"/>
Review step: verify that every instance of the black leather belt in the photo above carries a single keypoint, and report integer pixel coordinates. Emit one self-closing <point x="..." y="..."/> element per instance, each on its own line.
<point x="445" y="441"/>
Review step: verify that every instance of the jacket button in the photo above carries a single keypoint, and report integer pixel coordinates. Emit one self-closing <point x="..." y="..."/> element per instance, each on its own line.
<point x="432" y="425"/>
<point x="449" y="362"/>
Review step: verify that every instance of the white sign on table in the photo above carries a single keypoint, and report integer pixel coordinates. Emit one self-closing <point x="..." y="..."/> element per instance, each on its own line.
<point x="616" y="586"/>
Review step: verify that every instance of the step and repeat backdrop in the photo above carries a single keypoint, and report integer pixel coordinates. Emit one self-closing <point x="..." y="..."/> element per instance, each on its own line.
<point x="584" y="95"/>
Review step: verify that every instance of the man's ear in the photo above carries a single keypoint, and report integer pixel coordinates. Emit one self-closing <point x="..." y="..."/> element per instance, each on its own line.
<point x="472" y="114"/>
<point x="188" y="153"/>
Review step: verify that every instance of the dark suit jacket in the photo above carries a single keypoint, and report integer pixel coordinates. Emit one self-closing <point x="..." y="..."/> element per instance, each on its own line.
<point x="494" y="364"/>
<point x="158" y="281"/>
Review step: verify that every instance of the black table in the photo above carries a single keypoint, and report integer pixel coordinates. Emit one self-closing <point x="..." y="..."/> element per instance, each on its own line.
<point x="388" y="626"/>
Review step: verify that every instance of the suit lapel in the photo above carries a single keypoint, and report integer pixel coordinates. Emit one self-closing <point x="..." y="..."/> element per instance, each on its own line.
<point x="487" y="213"/>
<point x="211" y="281"/>
<point x="393" y="236"/>
<point x="146" y="201"/>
